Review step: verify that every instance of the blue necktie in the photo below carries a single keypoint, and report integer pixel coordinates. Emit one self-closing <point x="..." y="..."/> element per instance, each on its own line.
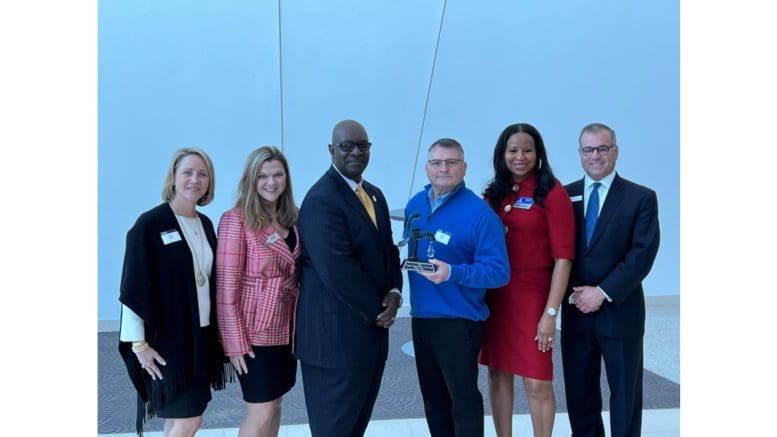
<point x="592" y="213"/>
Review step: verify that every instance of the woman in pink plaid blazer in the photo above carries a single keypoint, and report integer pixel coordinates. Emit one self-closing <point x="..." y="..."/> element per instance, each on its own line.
<point x="257" y="287"/>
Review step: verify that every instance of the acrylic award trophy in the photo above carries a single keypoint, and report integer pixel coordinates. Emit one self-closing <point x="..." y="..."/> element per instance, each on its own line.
<point x="414" y="235"/>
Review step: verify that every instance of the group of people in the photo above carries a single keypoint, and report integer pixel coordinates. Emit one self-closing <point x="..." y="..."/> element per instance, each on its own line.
<point x="322" y="284"/>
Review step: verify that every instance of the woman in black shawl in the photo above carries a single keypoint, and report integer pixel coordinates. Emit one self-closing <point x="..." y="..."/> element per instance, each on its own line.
<point x="169" y="338"/>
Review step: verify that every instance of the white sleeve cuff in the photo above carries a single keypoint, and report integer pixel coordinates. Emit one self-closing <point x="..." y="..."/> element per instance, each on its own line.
<point x="605" y="294"/>
<point x="132" y="328"/>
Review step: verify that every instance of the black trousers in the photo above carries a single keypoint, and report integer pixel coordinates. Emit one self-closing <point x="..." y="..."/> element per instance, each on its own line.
<point x="582" y="353"/>
<point x="446" y="358"/>
<point x="339" y="401"/>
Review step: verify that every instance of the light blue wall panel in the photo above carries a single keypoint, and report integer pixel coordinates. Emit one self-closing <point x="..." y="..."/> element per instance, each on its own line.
<point x="175" y="74"/>
<point x="364" y="60"/>
<point x="560" y="65"/>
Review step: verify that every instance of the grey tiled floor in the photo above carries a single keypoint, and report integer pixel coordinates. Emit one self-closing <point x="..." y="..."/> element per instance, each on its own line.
<point x="399" y="402"/>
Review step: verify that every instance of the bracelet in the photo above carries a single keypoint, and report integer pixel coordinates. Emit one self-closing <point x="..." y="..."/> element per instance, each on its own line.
<point x="139" y="346"/>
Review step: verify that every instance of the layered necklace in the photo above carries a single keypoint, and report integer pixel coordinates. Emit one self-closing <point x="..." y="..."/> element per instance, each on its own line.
<point x="191" y="227"/>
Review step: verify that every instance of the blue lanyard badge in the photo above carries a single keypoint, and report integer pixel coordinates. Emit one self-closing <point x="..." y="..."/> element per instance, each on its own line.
<point x="524" y="202"/>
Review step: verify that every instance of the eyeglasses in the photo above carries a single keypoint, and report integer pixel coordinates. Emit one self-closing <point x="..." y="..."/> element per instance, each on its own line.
<point x="347" y="147"/>
<point x="437" y="163"/>
<point x="603" y="150"/>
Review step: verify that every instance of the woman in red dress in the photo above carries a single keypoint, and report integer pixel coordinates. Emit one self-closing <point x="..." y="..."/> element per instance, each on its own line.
<point x="540" y="233"/>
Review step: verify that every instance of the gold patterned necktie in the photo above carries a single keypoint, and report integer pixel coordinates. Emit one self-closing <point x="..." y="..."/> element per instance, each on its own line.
<point x="367" y="202"/>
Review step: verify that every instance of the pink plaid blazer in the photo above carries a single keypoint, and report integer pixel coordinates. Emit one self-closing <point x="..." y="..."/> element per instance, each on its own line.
<point x="256" y="285"/>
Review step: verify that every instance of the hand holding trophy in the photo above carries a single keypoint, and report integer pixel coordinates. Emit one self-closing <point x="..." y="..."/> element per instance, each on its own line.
<point x="413" y="236"/>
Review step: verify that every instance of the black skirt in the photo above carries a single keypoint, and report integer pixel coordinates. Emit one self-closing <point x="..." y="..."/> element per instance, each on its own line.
<point x="270" y="375"/>
<point x="189" y="403"/>
<point x="192" y="401"/>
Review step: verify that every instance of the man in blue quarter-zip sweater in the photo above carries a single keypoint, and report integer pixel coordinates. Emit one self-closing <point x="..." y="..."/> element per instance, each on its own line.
<point x="448" y="305"/>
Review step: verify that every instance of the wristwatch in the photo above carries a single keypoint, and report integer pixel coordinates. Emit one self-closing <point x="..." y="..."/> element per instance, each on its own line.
<point x="551" y="311"/>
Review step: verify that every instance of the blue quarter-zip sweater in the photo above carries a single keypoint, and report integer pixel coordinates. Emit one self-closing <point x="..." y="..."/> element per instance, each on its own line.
<point x="475" y="250"/>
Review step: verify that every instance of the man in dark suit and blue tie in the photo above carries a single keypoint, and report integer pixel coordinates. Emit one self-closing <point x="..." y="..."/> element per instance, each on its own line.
<point x="603" y="313"/>
<point x="349" y="291"/>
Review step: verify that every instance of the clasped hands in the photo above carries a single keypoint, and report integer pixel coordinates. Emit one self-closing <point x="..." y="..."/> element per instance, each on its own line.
<point x="587" y="298"/>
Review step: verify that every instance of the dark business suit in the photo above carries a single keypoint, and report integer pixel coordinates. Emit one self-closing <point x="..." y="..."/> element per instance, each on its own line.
<point x="348" y="267"/>
<point x="621" y="252"/>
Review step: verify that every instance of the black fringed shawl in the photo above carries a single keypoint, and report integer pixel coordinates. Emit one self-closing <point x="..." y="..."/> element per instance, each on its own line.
<point x="157" y="283"/>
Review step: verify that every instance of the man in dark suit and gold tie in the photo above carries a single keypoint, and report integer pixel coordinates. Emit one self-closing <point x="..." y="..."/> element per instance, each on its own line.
<point x="349" y="291"/>
<point x="603" y="313"/>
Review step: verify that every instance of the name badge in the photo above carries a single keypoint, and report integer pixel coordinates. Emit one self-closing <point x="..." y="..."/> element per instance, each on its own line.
<point x="524" y="202"/>
<point x="272" y="238"/>
<point x="577" y="198"/>
<point x="442" y="237"/>
<point x="170" y="236"/>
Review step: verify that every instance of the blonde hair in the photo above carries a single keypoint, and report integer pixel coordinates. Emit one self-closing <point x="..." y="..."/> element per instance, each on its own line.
<point x="168" y="187"/>
<point x="255" y="212"/>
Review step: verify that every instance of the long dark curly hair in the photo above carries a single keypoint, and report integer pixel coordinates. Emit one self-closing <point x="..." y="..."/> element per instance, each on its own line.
<point x="502" y="184"/>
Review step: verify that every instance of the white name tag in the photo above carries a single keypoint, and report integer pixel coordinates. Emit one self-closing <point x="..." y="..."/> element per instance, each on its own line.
<point x="170" y="236"/>
<point x="524" y="202"/>
<point x="272" y="238"/>
<point x="442" y="237"/>
<point x="577" y="198"/>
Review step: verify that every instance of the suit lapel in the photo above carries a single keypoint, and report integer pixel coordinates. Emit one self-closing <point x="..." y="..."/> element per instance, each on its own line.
<point x="577" y="189"/>
<point x="381" y="210"/>
<point x="384" y="226"/>
<point x="611" y="203"/>
<point x="278" y="246"/>
<point x="351" y="199"/>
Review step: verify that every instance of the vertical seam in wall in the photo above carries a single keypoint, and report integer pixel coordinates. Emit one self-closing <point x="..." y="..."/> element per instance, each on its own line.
<point x="428" y="95"/>
<point x="280" y="75"/>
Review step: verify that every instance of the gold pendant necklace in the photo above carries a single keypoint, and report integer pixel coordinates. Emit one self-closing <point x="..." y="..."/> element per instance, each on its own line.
<point x="188" y="228"/>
